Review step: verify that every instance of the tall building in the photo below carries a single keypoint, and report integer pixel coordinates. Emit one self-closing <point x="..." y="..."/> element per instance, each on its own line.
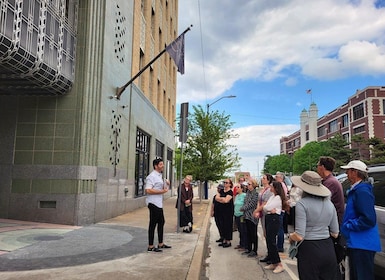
<point x="363" y="114"/>
<point x="71" y="152"/>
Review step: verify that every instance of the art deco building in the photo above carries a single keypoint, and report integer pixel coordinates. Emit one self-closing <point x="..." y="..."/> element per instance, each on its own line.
<point x="71" y="152"/>
<point x="363" y="114"/>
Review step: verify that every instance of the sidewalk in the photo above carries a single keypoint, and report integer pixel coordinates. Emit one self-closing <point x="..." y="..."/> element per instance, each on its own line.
<point x="117" y="249"/>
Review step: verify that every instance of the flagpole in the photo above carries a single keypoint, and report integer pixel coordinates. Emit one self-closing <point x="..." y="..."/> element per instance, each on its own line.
<point x="119" y="90"/>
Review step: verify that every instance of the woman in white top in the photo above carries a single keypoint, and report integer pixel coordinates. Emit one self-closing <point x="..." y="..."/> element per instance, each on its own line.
<point x="272" y="211"/>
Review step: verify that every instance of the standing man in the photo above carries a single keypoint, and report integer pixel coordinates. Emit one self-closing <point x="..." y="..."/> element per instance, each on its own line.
<point x="155" y="188"/>
<point x="325" y="169"/>
<point x="359" y="224"/>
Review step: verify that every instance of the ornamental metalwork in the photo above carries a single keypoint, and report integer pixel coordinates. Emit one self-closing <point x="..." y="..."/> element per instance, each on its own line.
<point x="37" y="46"/>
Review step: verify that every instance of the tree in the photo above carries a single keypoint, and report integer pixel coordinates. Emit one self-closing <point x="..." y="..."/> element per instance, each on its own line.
<point x="207" y="155"/>
<point x="307" y="157"/>
<point x="336" y="147"/>
<point x="377" y="150"/>
<point x="282" y="163"/>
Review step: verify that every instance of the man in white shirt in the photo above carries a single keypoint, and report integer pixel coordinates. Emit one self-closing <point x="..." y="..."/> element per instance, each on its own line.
<point x="155" y="188"/>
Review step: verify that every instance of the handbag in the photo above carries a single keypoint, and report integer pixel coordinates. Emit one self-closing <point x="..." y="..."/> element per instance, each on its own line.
<point x="339" y="247"/>
<point x="293" y="249"/>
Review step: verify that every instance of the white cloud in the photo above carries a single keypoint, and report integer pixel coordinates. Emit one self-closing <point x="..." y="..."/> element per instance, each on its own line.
<point x="260" y="40"/>
<point x="255" y="142"/>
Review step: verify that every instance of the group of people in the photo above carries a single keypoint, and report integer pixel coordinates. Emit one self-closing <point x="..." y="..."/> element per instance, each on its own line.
<point x="246" y="206"/>
<point x="316" y="208"/>
<point x="321" y="215"/>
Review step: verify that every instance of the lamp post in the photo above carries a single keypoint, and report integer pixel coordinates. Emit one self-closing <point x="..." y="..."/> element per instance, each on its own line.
<point x="206" y="183"/>
<point x="227" y="96"/>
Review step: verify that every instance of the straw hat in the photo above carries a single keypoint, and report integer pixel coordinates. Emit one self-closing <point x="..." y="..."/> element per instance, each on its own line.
<point x="310" y="182"/>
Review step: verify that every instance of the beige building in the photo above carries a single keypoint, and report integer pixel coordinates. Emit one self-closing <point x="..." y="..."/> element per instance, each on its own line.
<point x="71" y="152"/>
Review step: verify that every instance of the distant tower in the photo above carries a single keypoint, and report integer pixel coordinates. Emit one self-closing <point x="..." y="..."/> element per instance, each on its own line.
<point x="304" y="119"/>
<point x="313" y="116"/>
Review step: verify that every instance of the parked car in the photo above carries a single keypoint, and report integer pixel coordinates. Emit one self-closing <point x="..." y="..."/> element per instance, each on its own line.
<point x="376" y="174"/>
<point x="342" y="177"/>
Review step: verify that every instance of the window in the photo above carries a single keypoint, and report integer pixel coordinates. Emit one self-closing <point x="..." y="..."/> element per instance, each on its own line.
<point x="321" y="131"/>
<point x="359" y="129"/>
<point x="169" y="168"/>
<point x="159" y="149"/>
<point x="383" y="106"/>
<point x="333" y="126"/>
<point x="141" y="161"/>
<point x="307" y="135"/>
<point x="345" y="120"/>
<point x="346" y="137"/>
<point x="358" y="111"/>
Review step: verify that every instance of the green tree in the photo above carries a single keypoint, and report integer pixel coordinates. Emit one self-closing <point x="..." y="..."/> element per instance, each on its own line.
<point x="208" y="156"/>
<point x="336" y="147"/>
<point x="282" y="163"/>
<point x="307" y="157"/>
<point x="358" y="146"/>
<point x="377" y="149"/>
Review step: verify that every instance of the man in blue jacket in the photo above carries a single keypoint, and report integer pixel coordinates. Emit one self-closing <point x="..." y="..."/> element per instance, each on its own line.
<point x="359" y="225"/>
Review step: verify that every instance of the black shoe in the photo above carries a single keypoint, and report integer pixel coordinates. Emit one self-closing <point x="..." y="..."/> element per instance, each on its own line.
<point x="246" y="252"/>
<point x="265" y="259"/>
<point x="164" y="246"/>
<point x="221" y="244"/>
<point x="226" y="245"/>
<point x="154" y="249"/>
<point x="219" y="240"/>
<point x="252" y="254"/>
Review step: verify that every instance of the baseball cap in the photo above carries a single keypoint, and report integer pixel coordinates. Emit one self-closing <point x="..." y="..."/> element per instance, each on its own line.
<point x="356" y="164"/>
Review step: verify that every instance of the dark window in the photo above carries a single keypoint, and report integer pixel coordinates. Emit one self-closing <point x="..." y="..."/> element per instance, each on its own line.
<point x="169" y="167"/>
<point x="378" y="187"/>
<point x="307" y="135"/>
<point x="141" y="161"/>
<point x="359" y="129"/>
<point x="159" y="149"/>
<point x="358" y="111"/>
<point x="345" y="120"/>
<point x="321" y="131"/>
<point x="333" y="126"/>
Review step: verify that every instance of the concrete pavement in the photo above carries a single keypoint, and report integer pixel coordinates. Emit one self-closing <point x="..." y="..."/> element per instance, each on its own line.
<point x="117" y="249"/>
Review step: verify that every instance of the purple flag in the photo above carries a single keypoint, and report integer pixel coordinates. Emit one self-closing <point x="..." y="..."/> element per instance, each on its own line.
<point x="176" y="51"/>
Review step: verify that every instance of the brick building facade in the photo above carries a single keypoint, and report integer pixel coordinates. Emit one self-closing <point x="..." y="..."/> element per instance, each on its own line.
<point x="363" y="114"/>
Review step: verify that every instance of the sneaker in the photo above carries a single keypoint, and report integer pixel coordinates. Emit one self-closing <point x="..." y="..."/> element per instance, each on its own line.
<point x="164" y="246"/>
<point x="278" y="269"/>
<point x="252" y="254"/>
<point x="153" y="249"/>
<point x="270" y="267"/>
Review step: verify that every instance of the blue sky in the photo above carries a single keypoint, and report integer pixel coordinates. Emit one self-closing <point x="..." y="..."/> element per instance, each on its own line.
<point x="268" y="53"/>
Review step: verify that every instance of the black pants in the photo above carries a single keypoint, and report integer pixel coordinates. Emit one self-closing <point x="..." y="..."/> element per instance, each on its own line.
<point x="156" y="218"/>
<point x="272" y="227"/>
<point x="185" y="217"/>
<point x="252" y="237"/>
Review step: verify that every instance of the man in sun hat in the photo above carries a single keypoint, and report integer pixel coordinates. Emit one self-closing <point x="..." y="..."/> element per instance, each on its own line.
<point x="315" y="221"/>
<point x="359" y="225"/>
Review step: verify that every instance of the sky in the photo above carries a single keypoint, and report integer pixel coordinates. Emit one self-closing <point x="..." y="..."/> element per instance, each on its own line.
<point x="268" y="53"/>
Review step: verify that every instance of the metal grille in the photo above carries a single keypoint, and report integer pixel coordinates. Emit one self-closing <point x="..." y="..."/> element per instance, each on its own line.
<point x="37" y="46"/>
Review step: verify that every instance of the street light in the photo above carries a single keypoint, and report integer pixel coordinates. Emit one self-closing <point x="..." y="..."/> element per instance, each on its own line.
<point x="208" y="110"/>
<point x="227" y="96"/>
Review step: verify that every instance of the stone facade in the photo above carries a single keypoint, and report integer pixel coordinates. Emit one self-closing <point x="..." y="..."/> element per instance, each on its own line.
<point x="73" y="158"/>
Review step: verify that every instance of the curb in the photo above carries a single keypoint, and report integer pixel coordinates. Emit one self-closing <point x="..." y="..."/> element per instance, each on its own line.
<point x="198" y="258"/>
